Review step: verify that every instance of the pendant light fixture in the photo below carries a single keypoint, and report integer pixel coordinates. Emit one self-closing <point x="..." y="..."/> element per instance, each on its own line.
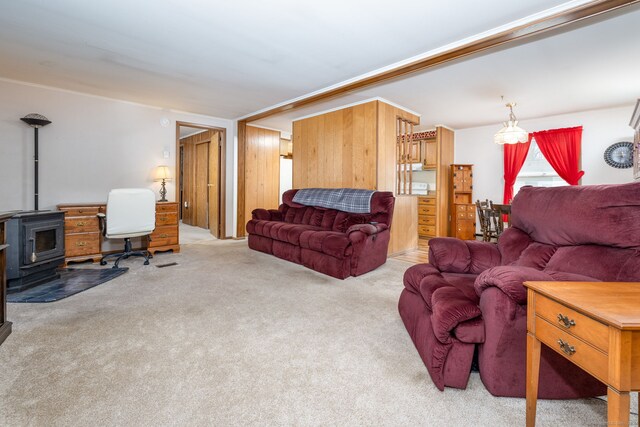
<point x="511" y="133"/>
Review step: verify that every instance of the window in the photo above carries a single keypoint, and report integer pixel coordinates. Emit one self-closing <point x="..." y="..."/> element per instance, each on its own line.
<point x="537" y="171"/>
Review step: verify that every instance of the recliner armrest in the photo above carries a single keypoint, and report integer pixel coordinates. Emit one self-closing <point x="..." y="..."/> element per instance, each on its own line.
<point x="453" y="255"/>
<point x="510" y="279"/>
<point x="368" y="229"/>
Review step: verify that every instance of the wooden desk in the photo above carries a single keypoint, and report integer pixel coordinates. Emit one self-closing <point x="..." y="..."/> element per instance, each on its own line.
<point x="595" y="325"/>
<point x="5" y="326"/>
<point x="83" y="239"/>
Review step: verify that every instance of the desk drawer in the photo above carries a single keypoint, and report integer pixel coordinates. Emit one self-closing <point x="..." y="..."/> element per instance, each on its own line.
<point x="166" y="218"/>
<point x="81" y="244"/>
<point x="164" y="236"/>
<point x="84" y="211"/>
<point x="587" y="357"/>
<point x="581" y="326"/>
<point x="81" y="225"/>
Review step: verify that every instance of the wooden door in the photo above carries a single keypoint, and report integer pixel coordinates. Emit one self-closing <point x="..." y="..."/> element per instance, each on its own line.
<point x="186" y="172"/>
<point x="466" y="180"/>
<point x="214" y="184"/>
<point x="201" y="211"/>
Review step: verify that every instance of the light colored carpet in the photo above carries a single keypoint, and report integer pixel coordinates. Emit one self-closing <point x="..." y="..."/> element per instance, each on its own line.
<point x="236" y="337"/>
<point x="190" y="234"/>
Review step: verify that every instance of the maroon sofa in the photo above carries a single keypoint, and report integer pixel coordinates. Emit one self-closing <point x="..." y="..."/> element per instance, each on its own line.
<point x="470" y="296"/>
<point x="336" y="243"/>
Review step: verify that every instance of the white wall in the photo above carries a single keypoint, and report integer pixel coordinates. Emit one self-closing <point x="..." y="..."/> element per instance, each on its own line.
<point x="94" y="144"/>
<point x="601" y="128"/>
<point x="286" y="175"/>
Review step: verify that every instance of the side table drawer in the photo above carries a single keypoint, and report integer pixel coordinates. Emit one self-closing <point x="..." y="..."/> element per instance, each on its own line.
<point x="582" y="354"/>
<point x="573" y="323"/>
<point x="166" y="218"/>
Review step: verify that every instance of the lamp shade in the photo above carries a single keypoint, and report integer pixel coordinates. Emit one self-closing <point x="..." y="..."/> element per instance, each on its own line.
<point x="162" y="172"/>
<point x="511" y="134"/>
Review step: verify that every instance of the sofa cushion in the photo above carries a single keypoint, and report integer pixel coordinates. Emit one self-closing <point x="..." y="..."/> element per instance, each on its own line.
<point x="330" y="243"/>
<point x="277" y="230"/>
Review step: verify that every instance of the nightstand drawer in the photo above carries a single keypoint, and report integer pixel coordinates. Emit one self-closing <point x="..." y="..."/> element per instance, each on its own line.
<point x="164" y="236"/>
<point x="580" y="353"/>
<point x="166" y="207"/>
<point x="81" y="244"/>
<point x="166" y="218"/>
<point x="573" y="323"/>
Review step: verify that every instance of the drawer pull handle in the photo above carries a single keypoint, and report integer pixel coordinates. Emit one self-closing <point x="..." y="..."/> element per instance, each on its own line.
<point x="163" y="236"/>
<point x="81" y="224"/>
<point x="566" y="348"/>
<point x="565" y="321"/>
<point x="81" y="243"/>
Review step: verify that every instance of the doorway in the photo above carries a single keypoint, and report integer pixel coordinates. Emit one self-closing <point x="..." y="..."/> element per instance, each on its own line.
<point x="200" y="173"/>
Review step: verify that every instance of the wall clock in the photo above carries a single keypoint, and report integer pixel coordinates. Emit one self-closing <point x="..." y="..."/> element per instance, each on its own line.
<point x="619" y="155"/>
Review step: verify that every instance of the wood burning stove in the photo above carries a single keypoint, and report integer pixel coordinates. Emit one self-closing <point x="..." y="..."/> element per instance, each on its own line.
<point x="36" y="248"/>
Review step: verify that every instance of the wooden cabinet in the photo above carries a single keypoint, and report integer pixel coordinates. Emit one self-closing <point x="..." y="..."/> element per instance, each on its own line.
<point x="462" y="208"/>
<point x="426" y="217"/>
<point x="166" y="235"/>
<point x="83" y="237"/>
<point x="5" y="326"/>
<point x="428" y="154"/>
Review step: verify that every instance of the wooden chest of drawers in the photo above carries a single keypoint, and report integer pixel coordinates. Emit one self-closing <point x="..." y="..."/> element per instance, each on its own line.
<point x="82" y="238"/>
<point x="166" y="235"/>
<point x="427" y="217"/>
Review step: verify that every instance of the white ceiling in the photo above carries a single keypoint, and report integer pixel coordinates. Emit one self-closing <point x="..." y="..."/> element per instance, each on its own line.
<point x="230" y="58"/>
<point x="594" y="66"/>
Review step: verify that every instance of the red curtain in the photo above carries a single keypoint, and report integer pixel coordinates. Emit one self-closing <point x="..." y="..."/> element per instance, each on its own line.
<point x="561" y="148"/>
<point x="514" y="156"/>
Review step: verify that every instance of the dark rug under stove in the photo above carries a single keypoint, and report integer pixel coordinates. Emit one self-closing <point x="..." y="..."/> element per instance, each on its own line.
<point x="71" y="282"/>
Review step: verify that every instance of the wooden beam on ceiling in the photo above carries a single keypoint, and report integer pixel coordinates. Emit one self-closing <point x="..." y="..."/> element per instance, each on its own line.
<point x="538" y="26"/>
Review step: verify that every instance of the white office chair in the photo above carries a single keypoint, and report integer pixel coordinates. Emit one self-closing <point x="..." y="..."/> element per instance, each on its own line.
<point x="131" y="212"/>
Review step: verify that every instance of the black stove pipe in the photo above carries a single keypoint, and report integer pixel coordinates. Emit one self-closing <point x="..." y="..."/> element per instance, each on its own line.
<point x="36" y="121"/>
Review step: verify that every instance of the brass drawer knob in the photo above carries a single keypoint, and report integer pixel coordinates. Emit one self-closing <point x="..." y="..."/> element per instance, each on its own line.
<point x="81" y="224"/>
<point x="81" y="243"/>
<point x="565" y="321"/>
<point x="163" y="235"/>
<point x="566" y="348"/>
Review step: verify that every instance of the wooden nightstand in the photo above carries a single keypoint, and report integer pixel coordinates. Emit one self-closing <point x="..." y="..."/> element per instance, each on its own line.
<point x="165" y="237"/>
<point x="595" y="325"/>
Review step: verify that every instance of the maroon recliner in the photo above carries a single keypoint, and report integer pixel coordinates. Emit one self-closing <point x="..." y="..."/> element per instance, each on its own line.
<point x="333" y="242"/>
<point x="470" y="295"/>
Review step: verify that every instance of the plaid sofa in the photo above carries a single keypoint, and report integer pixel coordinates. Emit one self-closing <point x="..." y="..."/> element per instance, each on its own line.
<point x="330" y="241"/>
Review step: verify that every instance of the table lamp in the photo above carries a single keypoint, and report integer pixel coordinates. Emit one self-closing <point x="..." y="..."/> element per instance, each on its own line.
<point x="162" y="174"/>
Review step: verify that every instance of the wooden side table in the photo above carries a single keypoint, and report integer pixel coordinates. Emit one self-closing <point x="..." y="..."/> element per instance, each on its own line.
<point x="595" y="325"/>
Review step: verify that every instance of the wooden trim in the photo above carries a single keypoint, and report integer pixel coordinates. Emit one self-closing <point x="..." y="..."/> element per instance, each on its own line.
<point x="222" y="232"/>
<point x="242" y="145"/>
<point x="538" y="26"/>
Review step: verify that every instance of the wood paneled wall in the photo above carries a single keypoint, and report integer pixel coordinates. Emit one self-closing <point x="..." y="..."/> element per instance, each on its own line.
<point x="444" y="144"/>
<point x="336" y="149"/>
<point x="355" y="147"/>
<point x="261" y="170"/>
